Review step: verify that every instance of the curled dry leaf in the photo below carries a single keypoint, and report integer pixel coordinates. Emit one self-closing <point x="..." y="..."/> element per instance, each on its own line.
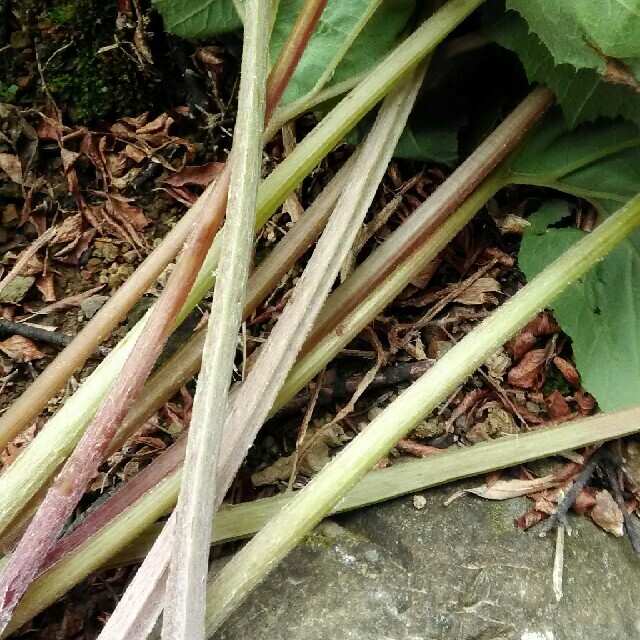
<point x="131" y="215"/>
<point x="568" y="371"/>
<point x="505" y="489"/>
<point x="557" y="406"/>
<point x="201" y="176"/>
<point x="521" y="344"/>
<point x="47" y="287"/>
<point x="585" y="501"/>
<point x="418" y="450"/>
<point x="585" y="401"/>
<point x="606" y="513"/>
<point x="479" y="292"/>
<point x="512" y="224"/>
<point x="542" y="325"/>
<point x="21" y="349"/>
<point x="10" y="164"/>
<point x="528" y="373"/>
<point x="69" y="231"/>
<point x="530" y="519"/>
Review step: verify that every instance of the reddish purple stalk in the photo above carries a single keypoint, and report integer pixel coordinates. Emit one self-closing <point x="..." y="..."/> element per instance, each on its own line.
<point x="70" y="484"/>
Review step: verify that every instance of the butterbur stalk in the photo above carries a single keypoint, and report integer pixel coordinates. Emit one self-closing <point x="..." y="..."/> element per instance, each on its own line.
<point x="245" y="519"/>
<point x="250" y="405"/>
<point x="521" y="120"/>
<point x="186" y="585"/>
<point x="233" y="583"/>
<point x="36" y="464"/>
<point x="71" y="482"/>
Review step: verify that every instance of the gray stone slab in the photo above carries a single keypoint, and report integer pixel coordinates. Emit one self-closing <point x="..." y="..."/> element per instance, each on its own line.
<point x="461" y="572"/>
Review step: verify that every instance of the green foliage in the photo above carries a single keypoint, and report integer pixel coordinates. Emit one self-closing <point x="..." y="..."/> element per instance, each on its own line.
<point x="601" y="312"/>
<point x="62" y="13"/>
<point x="585" y="33"/>
<point x="8" y="92"/>
<point x="583" y="91"/>
<point x="198" y="18"/>
<point x="351" y="37"/>
<point x="96" y="85"/>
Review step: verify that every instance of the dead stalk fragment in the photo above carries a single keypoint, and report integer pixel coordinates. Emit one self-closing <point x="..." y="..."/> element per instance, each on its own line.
<point x="185" y="595"/>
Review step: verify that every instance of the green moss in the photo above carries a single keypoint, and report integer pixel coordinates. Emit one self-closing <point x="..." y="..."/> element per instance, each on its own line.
<point x="92" y="78"/>
<point x="555" y="381"/>
<point x="8" y="92"/>
<point x="499" y="518"/>
<point x="63" y="13"/>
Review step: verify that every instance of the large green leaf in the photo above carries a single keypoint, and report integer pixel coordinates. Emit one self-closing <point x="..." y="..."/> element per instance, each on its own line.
<point x="601" y="312"/>
<point x="584" y="33"/>
<point x="198" y="18"/>
<point x="583" y="93"/>
<point x="351" y="37"/>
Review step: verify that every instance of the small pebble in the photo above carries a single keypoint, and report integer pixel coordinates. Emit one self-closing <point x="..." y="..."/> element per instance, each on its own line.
<point x="419" y="502"/>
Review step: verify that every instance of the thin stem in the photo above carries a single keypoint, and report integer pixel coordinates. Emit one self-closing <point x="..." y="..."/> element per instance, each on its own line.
<point x="71" y="482"/>
<point x="288" y="57"/>
<point x="243" y="520"/>
<point x="185" y="596"/>
<point x="233" y="583"/>
<point x="249" y="407"/>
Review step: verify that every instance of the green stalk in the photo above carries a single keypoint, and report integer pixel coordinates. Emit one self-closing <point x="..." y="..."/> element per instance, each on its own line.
<point x="350" y="326"/>
<point x="384" y="260"/>
<point x="54" y="443"/>
<point x="247" y="409"/>
<point x="243" y="520"/>
<point x="304" y="370"/>
<point x="185" y="590"/>
<point x="238" y="521"/>
<point x="235" y="581"/>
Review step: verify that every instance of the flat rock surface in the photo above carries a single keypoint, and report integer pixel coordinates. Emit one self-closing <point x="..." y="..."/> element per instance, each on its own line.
<point x="461" y="572"/>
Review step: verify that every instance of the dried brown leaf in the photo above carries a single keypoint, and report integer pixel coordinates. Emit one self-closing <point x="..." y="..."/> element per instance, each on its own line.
<point x="568" y="370"/>
<point x="557" y="406"/>
<point x="521" y="344"/>
<point x="418" y="450"/>
<point x="21" y="349"/>
<point x="10" y="164"/>
<point x="201" y="176"/>
<point x="46" y="286"/>
<point x="505" y="489"/>
<point x="585" y="401"/>
<point x="528" y="373"/>
<point x="606" y="514"/>
<point x="479" y="292"/>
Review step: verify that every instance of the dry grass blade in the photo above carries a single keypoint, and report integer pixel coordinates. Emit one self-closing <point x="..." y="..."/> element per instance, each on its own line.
<point x="185" y="598"/>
